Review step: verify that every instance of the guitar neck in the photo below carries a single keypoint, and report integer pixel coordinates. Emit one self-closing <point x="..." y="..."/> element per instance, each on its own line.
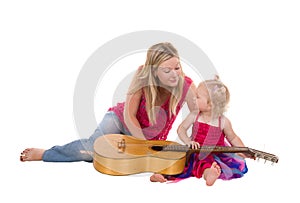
<point x="221" y="149"/>
<point x="207" y="149"/>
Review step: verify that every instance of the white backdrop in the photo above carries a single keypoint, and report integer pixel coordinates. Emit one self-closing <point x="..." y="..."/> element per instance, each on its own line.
<point x="254" y="45"/>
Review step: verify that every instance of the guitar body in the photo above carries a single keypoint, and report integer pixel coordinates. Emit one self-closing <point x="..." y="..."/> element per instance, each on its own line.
<point x="117" y="154"/>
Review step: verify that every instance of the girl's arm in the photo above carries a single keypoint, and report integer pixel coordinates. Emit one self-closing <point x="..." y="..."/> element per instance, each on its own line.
<point x="191" y="100"/>
<point x="232" y="138"/>
<point x="183" y="128"/>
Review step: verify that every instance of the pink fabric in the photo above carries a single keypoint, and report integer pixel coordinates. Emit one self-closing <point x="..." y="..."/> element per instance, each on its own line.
<point x="160" y="130"/>
<point x="206" y="135"/>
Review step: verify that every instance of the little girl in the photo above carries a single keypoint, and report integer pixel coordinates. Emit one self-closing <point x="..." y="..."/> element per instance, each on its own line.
<point x="210" y="127"/>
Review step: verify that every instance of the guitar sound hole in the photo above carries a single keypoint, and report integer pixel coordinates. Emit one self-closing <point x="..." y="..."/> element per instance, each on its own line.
<point x="157" y="148"/>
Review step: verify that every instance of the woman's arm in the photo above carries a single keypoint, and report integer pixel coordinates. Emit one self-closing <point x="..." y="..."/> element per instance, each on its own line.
<point x="130" y="110"/>
<point x="132" y="103"/>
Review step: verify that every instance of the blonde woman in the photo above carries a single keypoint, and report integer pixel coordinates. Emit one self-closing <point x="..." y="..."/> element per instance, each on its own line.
<point x="158" y="91"/>
<point x="210" y="127"/>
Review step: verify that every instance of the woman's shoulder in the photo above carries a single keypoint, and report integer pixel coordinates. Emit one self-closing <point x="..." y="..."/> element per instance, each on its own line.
<point x="188" y="83"/>
<point x="188" y="79"/>
<point x="140" y="68"/>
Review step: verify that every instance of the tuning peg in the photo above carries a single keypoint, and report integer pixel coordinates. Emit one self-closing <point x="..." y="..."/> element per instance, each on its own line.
<point x="274" y="159"/>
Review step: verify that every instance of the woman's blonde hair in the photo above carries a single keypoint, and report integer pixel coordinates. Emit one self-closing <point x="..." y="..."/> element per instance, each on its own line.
<point x="145" y="79"/>
<point x="219" y="96"/>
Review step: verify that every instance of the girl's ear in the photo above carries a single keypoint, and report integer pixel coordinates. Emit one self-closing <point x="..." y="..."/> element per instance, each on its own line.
<point x="209" y="104"/>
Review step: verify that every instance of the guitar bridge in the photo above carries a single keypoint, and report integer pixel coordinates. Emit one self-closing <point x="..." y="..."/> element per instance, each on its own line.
<point x="121" y="146"/>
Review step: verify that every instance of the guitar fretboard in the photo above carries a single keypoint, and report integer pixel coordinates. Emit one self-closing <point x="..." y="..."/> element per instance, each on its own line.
<point x="219" y="149"/>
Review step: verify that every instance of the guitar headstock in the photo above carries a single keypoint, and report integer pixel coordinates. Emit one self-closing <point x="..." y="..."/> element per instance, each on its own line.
<point x="263" y="155"/>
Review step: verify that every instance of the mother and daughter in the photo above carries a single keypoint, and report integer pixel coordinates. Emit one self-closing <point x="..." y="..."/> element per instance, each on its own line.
<point x="157" y="92"/>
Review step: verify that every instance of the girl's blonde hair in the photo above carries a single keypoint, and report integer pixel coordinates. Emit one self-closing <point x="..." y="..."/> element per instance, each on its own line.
<point x="219" y="96"/>
<point x="145" y="79"/>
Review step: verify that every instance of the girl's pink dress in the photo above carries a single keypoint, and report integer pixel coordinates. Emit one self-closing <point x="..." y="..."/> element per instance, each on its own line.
<point x="232" y="165"/>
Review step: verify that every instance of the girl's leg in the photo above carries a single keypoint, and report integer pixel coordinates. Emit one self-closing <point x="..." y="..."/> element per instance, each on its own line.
<point x="211" y="174"/>
<point x="78" y="150"/>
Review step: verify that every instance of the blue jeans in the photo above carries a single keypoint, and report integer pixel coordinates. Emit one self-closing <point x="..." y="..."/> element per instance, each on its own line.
<point x="82" y="149"/>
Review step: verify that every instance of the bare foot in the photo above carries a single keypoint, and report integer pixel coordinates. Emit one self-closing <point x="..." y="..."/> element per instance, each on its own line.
<point x="32" y="154"/>
<point x="158" y="178"/>
<point x="211" y="174"/>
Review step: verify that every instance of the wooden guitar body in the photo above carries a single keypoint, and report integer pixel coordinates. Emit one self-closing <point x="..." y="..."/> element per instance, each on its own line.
<point x="117" y="154"/>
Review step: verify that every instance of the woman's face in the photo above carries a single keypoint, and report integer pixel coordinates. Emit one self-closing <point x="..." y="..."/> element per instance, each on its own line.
<point x="168" y="72"/>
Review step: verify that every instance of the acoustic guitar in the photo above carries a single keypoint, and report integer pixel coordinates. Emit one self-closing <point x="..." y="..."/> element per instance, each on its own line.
<point x="116" y="154"/>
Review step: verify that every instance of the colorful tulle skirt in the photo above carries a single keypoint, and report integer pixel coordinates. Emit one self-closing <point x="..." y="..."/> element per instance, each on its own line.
<point x="232" y="166"/>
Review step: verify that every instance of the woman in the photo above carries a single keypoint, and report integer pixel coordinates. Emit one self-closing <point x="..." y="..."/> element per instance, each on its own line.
<point x="156" y="94"/>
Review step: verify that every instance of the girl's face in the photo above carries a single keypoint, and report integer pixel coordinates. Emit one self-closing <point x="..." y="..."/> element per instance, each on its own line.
<point x="203" y="98"/>
<point x="168" y="72"/>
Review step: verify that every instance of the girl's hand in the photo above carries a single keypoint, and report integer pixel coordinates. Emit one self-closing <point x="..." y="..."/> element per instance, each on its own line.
<point x="193" y="145"/>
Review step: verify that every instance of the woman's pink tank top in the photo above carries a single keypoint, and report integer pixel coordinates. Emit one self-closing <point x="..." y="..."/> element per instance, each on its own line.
<point x="159" y="130"/>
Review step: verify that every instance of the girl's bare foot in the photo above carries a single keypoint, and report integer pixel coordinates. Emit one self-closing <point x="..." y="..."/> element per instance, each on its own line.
<point x="211" y="174"/>
<point x="32" y="154"/>
<point x="158" y="178"/>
